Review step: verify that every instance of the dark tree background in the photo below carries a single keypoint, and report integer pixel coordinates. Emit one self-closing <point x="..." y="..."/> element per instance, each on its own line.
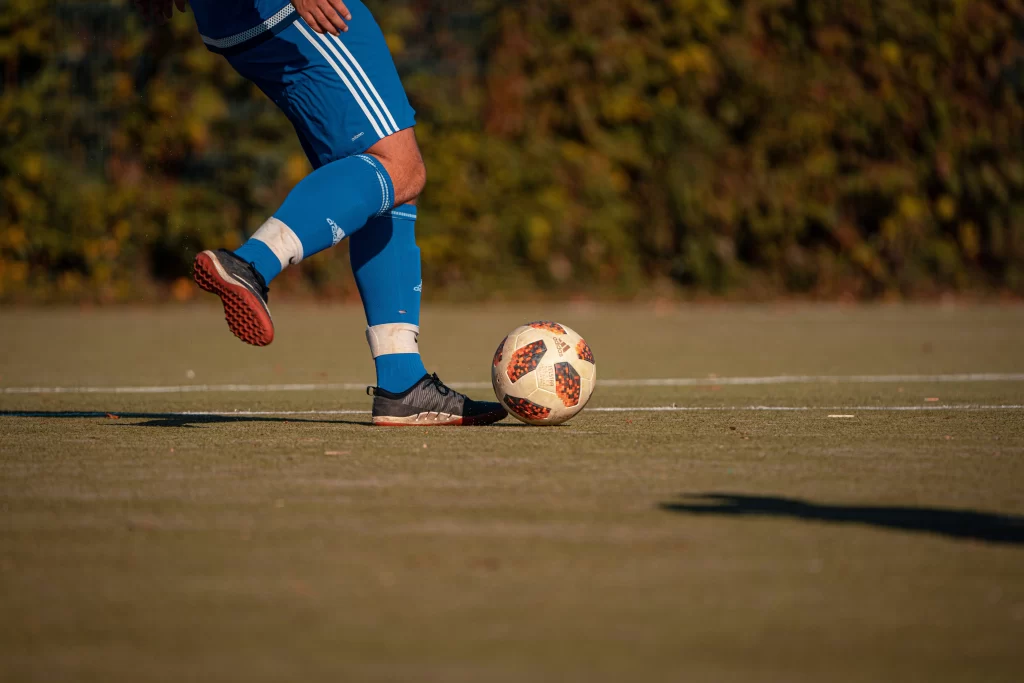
<point x="602" y="148"/>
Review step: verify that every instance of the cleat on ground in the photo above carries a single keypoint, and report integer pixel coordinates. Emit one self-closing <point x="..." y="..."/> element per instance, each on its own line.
<point x="241" y="289"/>
<point x="430" y="403"/>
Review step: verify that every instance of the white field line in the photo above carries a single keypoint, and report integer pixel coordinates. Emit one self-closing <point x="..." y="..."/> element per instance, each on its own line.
<point x="618" y="409"/>
<point x="679" y="382"/>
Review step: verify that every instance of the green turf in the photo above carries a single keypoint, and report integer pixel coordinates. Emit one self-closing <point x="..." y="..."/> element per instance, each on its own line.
<point x="161" y="547"/>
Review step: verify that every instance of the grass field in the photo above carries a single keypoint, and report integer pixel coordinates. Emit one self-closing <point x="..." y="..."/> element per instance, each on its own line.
<point x="739" y="531"/>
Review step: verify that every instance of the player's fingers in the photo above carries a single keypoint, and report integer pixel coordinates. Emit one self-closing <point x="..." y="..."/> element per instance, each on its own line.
<point x="320" y="23"/>
<point x="310" y="20"/>
<point x="341" y="9"/>
<point x="332" y="15"/>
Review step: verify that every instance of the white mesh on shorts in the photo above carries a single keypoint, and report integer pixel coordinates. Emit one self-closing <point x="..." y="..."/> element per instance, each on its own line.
<point x="259" y="29"/>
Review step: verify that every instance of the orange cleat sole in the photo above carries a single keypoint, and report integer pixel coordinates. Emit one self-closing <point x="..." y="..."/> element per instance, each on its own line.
<point x="245" y="314"/>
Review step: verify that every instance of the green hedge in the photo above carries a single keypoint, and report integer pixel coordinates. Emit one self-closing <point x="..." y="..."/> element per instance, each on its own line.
<point x="600" y="148"/>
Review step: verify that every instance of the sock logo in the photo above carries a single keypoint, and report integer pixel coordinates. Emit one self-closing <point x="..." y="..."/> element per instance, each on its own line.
<point x="419" y="287"/>
<point x="337" y="234"/>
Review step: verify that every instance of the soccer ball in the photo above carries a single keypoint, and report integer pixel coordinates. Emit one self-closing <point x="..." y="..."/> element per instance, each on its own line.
<point x="544" y="373"/>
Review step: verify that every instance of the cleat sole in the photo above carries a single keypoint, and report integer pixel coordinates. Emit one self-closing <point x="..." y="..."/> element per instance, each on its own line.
<point x="245" y="313"/>
<point x="436" y="420"/>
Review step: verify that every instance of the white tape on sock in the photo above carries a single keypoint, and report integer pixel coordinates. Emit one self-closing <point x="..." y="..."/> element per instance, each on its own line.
<point x="393" y="338"/>
<point x="281" y="240"/>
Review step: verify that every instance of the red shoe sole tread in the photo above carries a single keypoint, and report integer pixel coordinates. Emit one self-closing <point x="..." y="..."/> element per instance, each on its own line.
<point x="244" y="313"/>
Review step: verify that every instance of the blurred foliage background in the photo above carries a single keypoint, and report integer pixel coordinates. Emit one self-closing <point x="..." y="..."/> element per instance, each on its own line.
<point x="605" y="148"/>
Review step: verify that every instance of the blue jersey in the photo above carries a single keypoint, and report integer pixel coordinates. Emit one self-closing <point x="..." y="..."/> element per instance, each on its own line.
<point x="224" y="24"/>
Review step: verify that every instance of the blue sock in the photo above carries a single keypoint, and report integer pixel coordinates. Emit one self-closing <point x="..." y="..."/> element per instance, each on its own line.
<point x="386" y="263"/>
<point x="259" y="254"/>
<point x="333" y="202"/>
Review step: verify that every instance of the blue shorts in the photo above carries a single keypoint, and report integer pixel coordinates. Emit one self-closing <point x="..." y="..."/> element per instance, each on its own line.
<point x="342" y="93"/>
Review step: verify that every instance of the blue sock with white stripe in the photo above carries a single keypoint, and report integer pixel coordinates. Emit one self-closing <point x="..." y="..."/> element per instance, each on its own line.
<point x="386" y="263"/>
<point x="333" y="202"/>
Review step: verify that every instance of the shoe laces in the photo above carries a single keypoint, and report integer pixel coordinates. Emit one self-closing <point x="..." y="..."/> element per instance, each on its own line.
<point x="442" y="388"/>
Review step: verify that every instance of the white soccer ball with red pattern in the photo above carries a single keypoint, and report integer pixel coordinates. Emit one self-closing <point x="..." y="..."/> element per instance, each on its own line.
<point x="543" y="373"/>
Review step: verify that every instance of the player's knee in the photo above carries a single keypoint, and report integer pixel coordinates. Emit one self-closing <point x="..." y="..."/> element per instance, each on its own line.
<point x="401" y="156"/>
<point x="408" y="175"/>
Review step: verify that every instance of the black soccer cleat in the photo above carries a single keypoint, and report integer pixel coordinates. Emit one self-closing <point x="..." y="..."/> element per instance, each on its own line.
<point x="429" y="403"/>
<point x="243" y="292"/>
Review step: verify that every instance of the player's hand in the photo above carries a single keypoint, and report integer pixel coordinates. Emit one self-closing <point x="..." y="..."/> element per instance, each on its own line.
<point x="324" y="16"/>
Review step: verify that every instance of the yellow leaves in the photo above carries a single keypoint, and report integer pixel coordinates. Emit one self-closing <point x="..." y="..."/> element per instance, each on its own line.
<point x="396" y="43"/>
<point x="162" y="100"/>
<point x="99" y="251"/>
<point x="295" y="169"/>
<point x="573" y="151"/>
<point x="122" y="230"/>
<point x="619" y="180"/>
<point x="208" y="104"/>
<point x="538" y="232"/>
<point x="621" y="105"/>
<point x="92" y="250"/>
<point x="775" y="142"/>
<point x="32" y="167"/>
<point x="865" y="257"/>
<point x="202" y="61"/>
<point x="20" y="198"/>
<point x="891" y="53"/>
<point x="970" y="239"/>
<point x="101" y="274"/>
<point x="945" y="208"/>
<point x="183" y="289"/>
<point x="912" y="208"/>
<point x="891" y="232"/>
<point x="14" y="238"/>
<point x="69" y="283"/>
<point x="123" y="88"/>
<point x="822" y="164"/>
<point x="13" y="274"/>
<point x="198" y="132"/>
<point x="710" y="16"/>
<point x="694" y="59"/>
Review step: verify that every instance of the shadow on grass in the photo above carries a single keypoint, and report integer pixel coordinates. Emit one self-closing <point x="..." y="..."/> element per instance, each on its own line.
<point x="185" y="420"/>
<point x="962" y="524"/>
<point x="174" y="419"/>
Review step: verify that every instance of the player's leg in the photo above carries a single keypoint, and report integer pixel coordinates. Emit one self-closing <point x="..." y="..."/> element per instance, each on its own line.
<point x="386" y="263"/>
<point x="344" y="97"/>
<point x="351" y="113"/>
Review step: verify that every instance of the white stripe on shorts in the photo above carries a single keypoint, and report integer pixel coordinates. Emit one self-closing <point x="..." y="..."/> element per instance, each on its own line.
<point x="312" y="41"/>
<point x="341" y="60"/>
<point x="369" y="83"/>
